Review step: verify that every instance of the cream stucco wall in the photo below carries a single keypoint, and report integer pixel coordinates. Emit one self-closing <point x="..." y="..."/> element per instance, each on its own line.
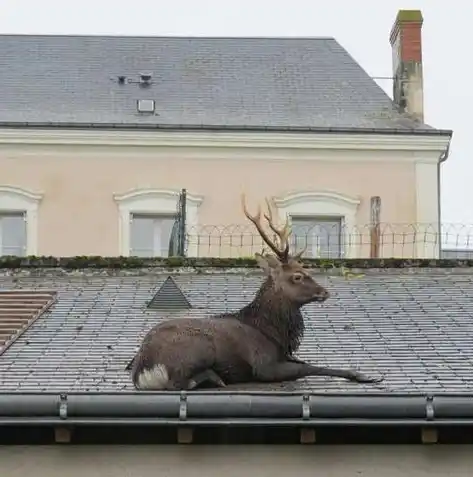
<point x="78" y="214"/>
<point x="257" y="460"/>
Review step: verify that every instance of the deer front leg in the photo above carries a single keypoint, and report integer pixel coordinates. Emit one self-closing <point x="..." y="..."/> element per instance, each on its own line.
<point x="209" y="375"/>
<point x="293" y="359"/>
<point x="292" y="370"/>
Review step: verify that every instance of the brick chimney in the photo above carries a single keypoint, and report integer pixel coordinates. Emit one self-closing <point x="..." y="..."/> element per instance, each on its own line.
<point x="406" y="43"/>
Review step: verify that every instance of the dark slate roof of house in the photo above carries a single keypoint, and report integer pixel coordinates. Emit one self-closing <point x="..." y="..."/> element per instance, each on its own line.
<point x="413" y="327"/>
<point x="197" y="82"/>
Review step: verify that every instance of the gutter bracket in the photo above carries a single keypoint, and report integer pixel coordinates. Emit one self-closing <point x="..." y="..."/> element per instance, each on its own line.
<point x="185" y="435"/>
<point x="183" y="406"/>
<point x="63" y="406"/>
<point x="305" y="407"/>
<point x="306" y="434"/>
<point x="429" y="435"/>
<point x="429" y="408"/>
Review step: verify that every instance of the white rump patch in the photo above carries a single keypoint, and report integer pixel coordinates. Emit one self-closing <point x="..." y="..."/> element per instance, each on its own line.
<point x="155" y="378"/>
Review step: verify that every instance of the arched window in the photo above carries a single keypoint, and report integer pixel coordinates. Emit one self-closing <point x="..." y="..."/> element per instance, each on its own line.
<point x="147" y="218"/>
<point x="322" y="221"/>
<point x="18" y="221"/>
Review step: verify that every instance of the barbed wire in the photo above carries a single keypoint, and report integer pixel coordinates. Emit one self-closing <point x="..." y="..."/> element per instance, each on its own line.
<point x="398" y="240"/>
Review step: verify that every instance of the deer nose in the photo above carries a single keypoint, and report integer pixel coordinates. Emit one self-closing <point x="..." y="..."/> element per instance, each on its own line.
<point x="325" y="295"/>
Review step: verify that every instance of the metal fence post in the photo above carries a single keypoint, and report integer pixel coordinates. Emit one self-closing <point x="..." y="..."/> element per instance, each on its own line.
<point x="375" y="232"/>
<point x="182" y="224"/>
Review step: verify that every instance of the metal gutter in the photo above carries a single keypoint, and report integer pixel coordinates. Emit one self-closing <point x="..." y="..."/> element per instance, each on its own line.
<point x="442" y="159"/>
<point x="194" y="127"/>
<point x="233" y="409"/>
<point x="238" y="422"/>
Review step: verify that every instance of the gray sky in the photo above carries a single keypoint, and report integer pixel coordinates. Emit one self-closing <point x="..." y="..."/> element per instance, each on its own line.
<point x="362" y="27"/>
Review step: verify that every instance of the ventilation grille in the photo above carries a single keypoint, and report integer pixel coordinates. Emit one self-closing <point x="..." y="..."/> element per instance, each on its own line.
<point x="169" y="297"/>
<point x="19" y="309"/>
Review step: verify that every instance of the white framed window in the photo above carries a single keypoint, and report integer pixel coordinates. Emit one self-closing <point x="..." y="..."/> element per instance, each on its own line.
<point x="18" y="221"/>
<point x="322" y="220"/>
<point x="150" y="234"/>
<point x="320" y="236"/>
<point x="146" y="218"/>
<point x="13" y="233"/>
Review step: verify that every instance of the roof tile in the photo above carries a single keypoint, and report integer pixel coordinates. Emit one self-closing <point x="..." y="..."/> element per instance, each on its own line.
<point x="399" y="325"/>
<point x="225" y="82"/>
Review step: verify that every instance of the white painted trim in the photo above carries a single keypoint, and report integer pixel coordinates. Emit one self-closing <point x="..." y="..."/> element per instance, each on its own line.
<point x="156" y="201"/>
<point x="293" y="198"/>
<point x="242" y="155"/>
<point x="322" y="203"/>
<point x="427" y="213"/>
<point x="16" y="199"/>
<point x="217" y="139"/>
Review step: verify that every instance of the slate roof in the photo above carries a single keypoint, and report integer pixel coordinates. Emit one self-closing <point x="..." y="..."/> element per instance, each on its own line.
<point x="220" y="82"/>
<point x="414" y="327"/>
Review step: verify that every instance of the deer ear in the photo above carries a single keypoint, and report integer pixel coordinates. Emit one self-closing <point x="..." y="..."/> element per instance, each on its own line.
<point x="268" y="263"/>
<point x="293" y="262"/>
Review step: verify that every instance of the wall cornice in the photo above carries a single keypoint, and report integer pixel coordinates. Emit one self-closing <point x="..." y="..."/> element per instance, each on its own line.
<point x="427" y="148"/>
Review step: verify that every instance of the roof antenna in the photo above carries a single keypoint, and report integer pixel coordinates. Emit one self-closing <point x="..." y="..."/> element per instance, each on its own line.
<point x="145" y="79"/>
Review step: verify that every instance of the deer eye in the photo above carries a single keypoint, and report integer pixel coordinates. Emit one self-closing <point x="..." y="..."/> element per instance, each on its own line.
<point x="297" y="277"/>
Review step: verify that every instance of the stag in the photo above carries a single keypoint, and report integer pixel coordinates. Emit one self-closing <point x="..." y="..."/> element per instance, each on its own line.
<point x="255" y="344"/>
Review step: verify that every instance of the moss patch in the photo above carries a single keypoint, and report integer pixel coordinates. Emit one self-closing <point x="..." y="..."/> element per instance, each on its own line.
<point x="409" y="16"/>
<point x="95" y="262"/>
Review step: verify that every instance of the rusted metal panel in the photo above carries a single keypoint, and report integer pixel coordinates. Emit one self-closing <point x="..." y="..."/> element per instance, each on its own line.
<point x="19" y="309"/>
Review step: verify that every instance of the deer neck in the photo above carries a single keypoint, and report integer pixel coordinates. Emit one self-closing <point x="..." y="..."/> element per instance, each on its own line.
<point x="276" y="317"/>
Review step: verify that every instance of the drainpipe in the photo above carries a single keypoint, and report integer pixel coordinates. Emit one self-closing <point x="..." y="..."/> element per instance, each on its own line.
<point x="182" y="224"/>
<point x="443" y="158"/>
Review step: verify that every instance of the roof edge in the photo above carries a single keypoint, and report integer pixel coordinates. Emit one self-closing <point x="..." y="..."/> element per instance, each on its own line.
<point x="219" y="127"/>
<point x="174" y="263"/>
<point x="197" y="408"/>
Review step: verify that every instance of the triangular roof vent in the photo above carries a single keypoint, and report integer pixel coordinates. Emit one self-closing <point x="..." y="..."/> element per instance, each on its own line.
<point x="169" y="297"/>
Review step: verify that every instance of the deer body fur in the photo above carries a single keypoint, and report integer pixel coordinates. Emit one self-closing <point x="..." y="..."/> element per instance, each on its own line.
<point x="256" y="343"/>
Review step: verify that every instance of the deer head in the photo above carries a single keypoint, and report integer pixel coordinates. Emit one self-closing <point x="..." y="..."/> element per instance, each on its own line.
<point x="288" y="276"/>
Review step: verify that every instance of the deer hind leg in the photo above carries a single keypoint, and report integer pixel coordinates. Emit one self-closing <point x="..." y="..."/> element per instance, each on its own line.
<point x="292" y="370"/>
<point x="209" y="375"/>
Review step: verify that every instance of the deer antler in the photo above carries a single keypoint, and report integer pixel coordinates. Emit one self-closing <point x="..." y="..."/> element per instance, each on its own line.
<point x="283" y="234"/>
<point x="298" y="255"/>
